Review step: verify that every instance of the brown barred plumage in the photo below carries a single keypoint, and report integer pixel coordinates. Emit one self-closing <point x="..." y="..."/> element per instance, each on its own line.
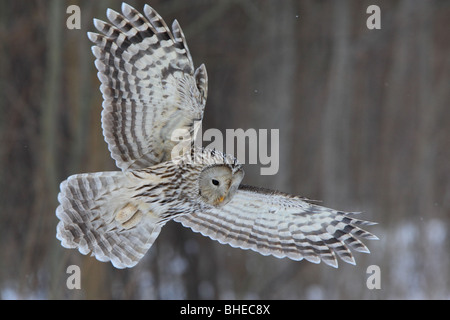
<point x="149" y="86"/>
<point x="151" y="90"/>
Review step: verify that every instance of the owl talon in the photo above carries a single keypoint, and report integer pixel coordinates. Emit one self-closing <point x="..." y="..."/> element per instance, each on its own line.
<point x="129" y="216"/>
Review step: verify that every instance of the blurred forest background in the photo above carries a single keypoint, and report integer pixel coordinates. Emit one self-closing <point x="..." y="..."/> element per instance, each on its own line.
<point x="364" y="120"/>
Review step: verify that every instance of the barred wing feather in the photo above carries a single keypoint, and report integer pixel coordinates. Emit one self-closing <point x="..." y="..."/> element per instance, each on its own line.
<point x="282" y="225"/>
<point x="149" y="85"/>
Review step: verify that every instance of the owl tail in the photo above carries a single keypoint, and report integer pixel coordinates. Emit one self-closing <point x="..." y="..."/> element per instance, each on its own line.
<point x="99" y="215"/>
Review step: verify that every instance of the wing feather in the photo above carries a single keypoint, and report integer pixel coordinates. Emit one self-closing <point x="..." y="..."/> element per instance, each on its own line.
<point x="149" y="85"/>
<point x="282" y="225"/>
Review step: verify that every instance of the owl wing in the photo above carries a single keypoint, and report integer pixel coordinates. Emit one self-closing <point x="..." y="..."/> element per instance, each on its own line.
<point x="281" y="225"/>
<point x="149" y="86"/>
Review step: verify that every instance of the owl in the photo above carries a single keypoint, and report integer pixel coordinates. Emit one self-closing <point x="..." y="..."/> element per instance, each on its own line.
<point x="151" y="89"/>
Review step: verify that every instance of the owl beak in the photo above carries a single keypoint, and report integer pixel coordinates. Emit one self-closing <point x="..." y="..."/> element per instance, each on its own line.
<point x="221" y="199"/>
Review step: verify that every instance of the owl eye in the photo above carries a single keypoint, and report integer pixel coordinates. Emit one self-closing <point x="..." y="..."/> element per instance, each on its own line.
<point x="215" y="182"/>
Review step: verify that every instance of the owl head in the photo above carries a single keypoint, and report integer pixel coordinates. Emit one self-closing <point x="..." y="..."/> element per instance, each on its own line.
<point x="219" y="174"/>
<point x="218" y="183"/>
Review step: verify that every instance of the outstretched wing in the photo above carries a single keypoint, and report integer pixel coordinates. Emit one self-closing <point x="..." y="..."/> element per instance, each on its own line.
<point x="149" y="86"/>
<point x="281" y="225"/>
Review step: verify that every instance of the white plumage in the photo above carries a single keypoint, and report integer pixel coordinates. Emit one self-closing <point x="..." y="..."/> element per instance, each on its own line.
<point x="151" y="89"/>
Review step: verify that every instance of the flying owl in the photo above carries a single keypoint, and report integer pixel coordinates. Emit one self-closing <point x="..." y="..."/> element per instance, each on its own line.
<point x="151" y="89"/>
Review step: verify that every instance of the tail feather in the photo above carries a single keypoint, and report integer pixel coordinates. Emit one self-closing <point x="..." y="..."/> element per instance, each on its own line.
<point x="97" y="214"/>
